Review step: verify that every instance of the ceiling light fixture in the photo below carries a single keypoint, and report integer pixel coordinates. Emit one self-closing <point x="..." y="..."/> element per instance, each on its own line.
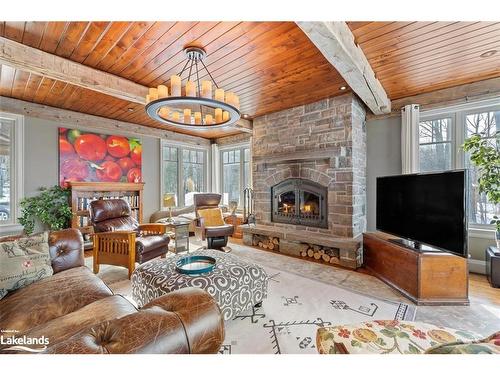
<point x="488" y="53"/>
<point x="343" y="88"/>
<point x="197" y="108"/>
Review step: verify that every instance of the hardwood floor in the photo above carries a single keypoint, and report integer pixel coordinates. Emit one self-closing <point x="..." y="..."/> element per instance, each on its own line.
<point x="480" y="288"/>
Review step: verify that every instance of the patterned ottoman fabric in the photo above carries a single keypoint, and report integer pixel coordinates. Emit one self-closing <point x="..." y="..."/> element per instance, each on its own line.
<point x="387" y="337"/>
<point x="235" y="284"/>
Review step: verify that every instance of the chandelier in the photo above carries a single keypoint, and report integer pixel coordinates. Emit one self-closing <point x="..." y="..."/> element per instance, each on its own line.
<point x="199" y="107"/>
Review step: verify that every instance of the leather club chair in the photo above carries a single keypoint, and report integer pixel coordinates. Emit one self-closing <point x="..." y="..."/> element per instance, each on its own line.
<point x="216" y="235"/>
<point x="120" y="240"/>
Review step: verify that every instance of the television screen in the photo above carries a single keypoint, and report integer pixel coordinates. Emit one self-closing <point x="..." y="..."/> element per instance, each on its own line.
<point x="427" y="208"/>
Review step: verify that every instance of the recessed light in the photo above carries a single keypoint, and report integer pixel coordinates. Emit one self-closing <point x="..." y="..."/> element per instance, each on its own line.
<point x="488" y="53"/>
<point x="245" y="116"/>
<point x="343" y="88"/>
<point x="130" y="109"/>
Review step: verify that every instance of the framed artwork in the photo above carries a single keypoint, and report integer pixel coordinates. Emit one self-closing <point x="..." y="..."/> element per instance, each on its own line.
<point x="91" y="157"/>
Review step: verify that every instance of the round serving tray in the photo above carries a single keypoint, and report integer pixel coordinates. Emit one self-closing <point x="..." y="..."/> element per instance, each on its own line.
<point x="195" y="264"/>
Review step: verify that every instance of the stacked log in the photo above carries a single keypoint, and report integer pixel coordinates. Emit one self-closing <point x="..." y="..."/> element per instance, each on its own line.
<point x="322" y="253"/>
<point x="266" y="242"/>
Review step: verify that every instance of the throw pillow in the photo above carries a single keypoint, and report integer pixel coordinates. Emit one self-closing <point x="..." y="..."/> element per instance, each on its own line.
<point x="212" y="216"/>
<point x="24" y="261"/>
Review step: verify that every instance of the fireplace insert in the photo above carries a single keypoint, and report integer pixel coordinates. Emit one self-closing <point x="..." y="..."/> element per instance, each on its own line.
<point x="301" y="202"/>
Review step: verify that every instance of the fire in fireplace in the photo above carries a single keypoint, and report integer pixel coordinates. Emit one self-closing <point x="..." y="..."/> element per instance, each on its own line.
<point x="299" y="201"/>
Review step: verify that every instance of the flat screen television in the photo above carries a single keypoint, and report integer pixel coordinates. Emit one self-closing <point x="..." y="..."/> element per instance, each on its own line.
<point x="427" y="209"/>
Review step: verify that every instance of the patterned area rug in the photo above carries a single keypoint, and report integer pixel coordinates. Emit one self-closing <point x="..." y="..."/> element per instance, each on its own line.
<point x="295" y="308"/>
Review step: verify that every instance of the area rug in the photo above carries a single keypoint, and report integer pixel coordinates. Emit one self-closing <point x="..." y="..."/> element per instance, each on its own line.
<point x="295" y="308"/>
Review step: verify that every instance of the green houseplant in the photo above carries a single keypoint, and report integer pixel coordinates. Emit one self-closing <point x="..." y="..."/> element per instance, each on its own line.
<point x="50" y="207"/>
<point x="486" y="156"/>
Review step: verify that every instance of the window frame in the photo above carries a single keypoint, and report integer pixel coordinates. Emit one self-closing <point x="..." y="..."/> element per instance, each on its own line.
<point x="180" y="171"/>
<point x="233" y="147"/>
<point x="17" y="172"/>
<point x="458" y="114"/>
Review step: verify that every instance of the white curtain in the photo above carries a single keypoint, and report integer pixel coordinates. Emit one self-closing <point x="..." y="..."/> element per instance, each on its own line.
<point x="215" y="169"/>
<point x="409" y="138"/>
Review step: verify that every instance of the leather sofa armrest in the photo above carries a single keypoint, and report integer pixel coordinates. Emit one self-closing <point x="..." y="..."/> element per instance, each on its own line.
<point x="66" y="249"/>
<point x="181" y="322"/>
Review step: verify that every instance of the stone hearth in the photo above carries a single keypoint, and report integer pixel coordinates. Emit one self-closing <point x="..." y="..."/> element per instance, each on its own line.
<point x="324" y="142"/>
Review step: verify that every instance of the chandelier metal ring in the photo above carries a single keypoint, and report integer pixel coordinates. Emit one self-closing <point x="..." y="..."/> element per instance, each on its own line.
<point x="152" y="109"/>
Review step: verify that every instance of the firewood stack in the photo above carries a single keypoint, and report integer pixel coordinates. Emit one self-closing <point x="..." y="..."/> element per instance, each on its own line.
<point x="266" y="242"/>
<point x="323" y="253"/>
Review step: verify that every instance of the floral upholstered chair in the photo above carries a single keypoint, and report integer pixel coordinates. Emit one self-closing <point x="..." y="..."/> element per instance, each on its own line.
<point x="401" y="337"/>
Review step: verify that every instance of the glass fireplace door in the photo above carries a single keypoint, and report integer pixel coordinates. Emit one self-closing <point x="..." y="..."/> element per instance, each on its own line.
<point x="287" y="204"/>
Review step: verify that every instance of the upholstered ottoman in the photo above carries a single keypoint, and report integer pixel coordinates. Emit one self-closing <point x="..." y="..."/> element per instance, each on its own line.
<point x="236" y="285"/>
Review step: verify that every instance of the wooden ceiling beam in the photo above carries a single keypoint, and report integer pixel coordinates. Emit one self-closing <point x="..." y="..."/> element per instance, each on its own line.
<point x="93" y="123"/>
<point x="336" y="42"/>
<point x="35" y="61"/>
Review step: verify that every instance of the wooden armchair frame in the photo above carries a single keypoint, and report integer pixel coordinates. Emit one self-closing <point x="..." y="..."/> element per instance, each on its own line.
<point x="118" y="248"/>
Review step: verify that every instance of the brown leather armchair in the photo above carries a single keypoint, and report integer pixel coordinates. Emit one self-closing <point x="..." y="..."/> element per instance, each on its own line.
<point x="216" y="236"/>
<point x="120" y="240"/>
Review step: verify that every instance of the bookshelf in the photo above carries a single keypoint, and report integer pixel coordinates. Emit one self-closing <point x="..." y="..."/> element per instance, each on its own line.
<point x="82" y="193"/>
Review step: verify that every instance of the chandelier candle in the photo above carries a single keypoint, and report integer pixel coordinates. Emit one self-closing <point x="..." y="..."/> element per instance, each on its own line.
<point x="175" y="116"/>
<point x="218" y="115"/>
<point x="209" y="120"/>
<point x="153" y="94"/>
<point x="190" y="88"/>
<point x="206" y="89"/>
<point x="219" y="95"/>
<point x="197" y="118"/>
<point x="175" y="85"/>
<point x="162" y="91"/>
<point x="225" y="116"/>
<point x="187" y="116"/>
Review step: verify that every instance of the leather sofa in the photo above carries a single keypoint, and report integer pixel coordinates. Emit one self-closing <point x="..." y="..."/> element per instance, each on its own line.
<point x="79" y="313"/>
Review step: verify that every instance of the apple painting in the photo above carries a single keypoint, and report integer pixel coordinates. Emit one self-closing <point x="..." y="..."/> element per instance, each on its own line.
<point x="90" y="157"/>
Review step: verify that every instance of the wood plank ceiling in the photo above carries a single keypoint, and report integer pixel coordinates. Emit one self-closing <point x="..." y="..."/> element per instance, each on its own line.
<point x="270" y="65"/>
<point x="411" y="58"/>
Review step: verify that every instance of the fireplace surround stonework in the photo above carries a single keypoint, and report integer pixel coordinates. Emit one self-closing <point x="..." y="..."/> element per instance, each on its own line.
<point x="324" y="142"/>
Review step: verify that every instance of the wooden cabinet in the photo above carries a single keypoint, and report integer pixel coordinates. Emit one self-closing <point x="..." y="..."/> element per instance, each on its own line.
<point x="427" y="278"/>
<point x="82" y="193"/>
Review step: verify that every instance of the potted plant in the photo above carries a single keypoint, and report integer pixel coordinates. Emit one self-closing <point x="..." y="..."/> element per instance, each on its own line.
<point x="50" y="207"/>
<point x="486" y="156"/>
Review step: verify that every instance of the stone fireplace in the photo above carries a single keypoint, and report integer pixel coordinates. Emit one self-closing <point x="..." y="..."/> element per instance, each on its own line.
<point x="309" y="174"/>
<point x="322" y="142"/>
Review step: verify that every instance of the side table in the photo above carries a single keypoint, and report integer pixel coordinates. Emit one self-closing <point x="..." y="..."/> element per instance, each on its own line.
<point x="180" y="234"/>
<point x="493" y="266"/>
<point x="236" y="221"/>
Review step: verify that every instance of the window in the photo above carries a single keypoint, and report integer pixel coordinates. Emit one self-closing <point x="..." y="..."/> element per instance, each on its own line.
<point x="441" y="134"/>
<point x="184" y="172"/>
<point x="235" y="174"/>
<point x="435" y="145"/>
<point x="11" y="157"/>
<point x="486" y="124"/>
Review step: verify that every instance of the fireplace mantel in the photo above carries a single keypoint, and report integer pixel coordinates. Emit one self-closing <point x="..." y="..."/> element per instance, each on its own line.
<point x="308" y="155"/>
